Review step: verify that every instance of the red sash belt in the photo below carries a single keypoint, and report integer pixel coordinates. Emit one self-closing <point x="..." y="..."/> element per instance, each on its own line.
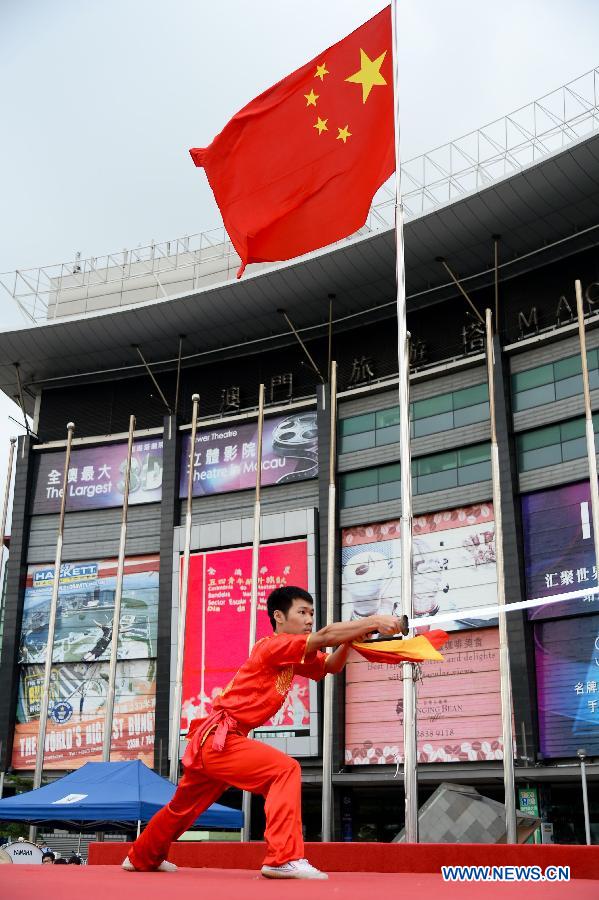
<point x="221" y="723"/>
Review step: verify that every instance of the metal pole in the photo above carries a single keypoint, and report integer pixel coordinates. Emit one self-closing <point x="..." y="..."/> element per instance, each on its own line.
<point x="45" y="695"/>
<point x="178" y="690"/>
<point x="330" y="353"/>
<point x="456" y="281"/>
<point x="181" y="336"/>
<point x="11" y="454"/>
<point x="327" y="723"/>
<point x="21" y="400"/>
<point x="301" y="343"/>
<point x="247" y="797"/>
<point x="403" y="356"/>
<point x="151" y="374"/>
<point x="585" y="797"/>
<point x="116" y="619"/>
<point x="590" y="431"/>
<point x="504" y="653"/>
<point x="496" y="239"/>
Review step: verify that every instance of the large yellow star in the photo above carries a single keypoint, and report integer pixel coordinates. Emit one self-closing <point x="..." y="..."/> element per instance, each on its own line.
<point x="369" y="73"/>
<point x="344" y="133"/>
<point x="321" y="125"/>
<point x="321" y="71"/>
<point x="311" y="98"/>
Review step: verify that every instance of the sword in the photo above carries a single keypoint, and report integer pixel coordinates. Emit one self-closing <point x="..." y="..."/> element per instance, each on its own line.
<point x="479" y="612"/>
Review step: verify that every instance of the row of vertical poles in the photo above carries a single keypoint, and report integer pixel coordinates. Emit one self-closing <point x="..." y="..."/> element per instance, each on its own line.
<point x="327" y="724"/>
<point x="247" y="797"/>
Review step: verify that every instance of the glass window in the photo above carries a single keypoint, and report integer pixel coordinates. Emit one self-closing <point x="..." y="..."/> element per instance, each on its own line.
<point x="537" y="459"/>
<point x="364" y="478"/>
<point x="348" y="443"/>
<point x="468" y="456"/>
<point x="469" y="415"/>
<point x="574" y="449"/>
<point x="568" y="387"/>
<point x="357" y="424"/>
<point x="390" y="491"/>
<point x="437" y="481"/>
<point x="542" y="437"/>
<point x="359" y="497"/>
<point x="470" y="396"/>
<point x="437" y="462"/>
<point x="535" y="397"/>
<point x="573" y="429"/>
<point x="389" y="473"/>
<point x="433" y="424"/>
<point x="388" y="435"/>
<point x="387" y="417"/>
<point x="524" y="381"/>
<point x="433" y="406"/>
<point x="478" y="472"/>
<point x="564" y="368"/>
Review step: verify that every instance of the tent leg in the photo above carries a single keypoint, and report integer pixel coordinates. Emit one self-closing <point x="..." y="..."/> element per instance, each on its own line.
<point x="33" y="833"/>
<point x="138" y="827"/>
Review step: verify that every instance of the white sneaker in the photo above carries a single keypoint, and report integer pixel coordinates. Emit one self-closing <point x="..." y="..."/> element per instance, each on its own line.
<point x="296" y="868"/>
<point x="165" y="866"/>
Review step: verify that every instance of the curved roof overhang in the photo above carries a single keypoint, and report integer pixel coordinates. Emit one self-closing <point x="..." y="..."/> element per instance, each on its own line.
<point x="543" y="212"/>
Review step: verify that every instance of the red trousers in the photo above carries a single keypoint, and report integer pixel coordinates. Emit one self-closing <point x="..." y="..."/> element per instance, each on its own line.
<point x="245" y="764"/>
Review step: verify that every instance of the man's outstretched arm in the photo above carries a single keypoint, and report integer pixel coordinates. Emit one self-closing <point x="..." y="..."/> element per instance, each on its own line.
<point x="341" y="634"/>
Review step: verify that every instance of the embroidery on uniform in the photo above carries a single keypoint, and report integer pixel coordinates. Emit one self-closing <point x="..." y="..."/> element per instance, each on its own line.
<point x="283" y="680"/>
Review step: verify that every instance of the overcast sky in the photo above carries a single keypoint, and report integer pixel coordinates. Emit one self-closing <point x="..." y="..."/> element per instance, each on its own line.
<point x="100" y="101"/>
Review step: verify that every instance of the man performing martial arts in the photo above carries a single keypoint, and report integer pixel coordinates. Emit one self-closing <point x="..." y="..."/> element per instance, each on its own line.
<point x="220" y="754"/>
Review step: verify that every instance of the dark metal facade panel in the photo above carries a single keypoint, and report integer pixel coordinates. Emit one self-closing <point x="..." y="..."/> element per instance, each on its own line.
<point x="550" y="351"/>
<point x="95" y="534"/>
<point x="551" y="476"/>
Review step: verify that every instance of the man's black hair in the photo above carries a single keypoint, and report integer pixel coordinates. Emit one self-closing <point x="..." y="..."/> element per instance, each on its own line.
<point x="282" y="599"/>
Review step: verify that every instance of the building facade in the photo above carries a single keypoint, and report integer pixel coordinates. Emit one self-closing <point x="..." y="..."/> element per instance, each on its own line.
<point x="84" y="366"/>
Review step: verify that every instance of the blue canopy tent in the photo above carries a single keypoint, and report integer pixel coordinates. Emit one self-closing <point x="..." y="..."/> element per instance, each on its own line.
<point x="101" y="792"/>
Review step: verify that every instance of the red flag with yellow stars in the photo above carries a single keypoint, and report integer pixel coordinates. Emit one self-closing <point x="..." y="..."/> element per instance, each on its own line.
<point x="417" y="649"/>
<point x="297" y="168"/>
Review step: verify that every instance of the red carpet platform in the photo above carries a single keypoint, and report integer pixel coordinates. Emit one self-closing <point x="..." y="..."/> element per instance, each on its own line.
<point x="102" y="882"/>
<point x="398" y="858"/>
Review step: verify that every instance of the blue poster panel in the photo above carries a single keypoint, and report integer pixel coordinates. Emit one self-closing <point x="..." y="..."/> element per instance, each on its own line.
<point x="567" y="665"/>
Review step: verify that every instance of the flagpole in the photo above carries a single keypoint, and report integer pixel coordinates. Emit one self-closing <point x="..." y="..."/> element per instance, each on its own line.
<point x="116" y="619"/>
<point x="45" y="696"/>
<point x="327" y="723"/>
<point x="247" y="797"/>
<point x="178" y="691"/>
<point x="505" y="680"/>
<point x="403" y="358"/>
<point x="590" y="431"/>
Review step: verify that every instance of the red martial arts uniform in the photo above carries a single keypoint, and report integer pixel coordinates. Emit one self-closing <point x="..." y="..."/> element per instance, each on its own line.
<point x="220" y="754"/>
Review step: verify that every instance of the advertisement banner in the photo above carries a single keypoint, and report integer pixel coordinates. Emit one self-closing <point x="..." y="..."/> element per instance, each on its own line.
<point x="96" y="476"/>
<point x="559" y="552"/>
<point x="217" y="628"/>
<point x="459" y="705"/>
<point x="86" y="608"/>
<point x="567" y="665"/>
<point x="225" y="456"/>
<point x="75" y="726"/>
<point x="453" y="566"/>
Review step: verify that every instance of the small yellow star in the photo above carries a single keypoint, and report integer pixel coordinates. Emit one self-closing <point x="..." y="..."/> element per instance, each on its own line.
<point x="368" y="74"/>
<point x="344" y="133"/>
<point x="321" y="125"/>
<point x="321" y="71"/>
<point x="311" y="98"/>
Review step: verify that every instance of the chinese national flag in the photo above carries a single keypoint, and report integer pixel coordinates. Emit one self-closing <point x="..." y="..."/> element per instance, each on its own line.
<point x="297" y="168"/>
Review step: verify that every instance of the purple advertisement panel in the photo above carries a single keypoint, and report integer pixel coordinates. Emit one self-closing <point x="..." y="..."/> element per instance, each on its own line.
<point x="225" y="456"/>
<point x="96" y="476"/>
<point x="567" y="664"/>
<point x="558" y="549"/>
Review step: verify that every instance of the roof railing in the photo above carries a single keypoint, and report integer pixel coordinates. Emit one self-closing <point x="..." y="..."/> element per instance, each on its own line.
<point x="432" y="179"/>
